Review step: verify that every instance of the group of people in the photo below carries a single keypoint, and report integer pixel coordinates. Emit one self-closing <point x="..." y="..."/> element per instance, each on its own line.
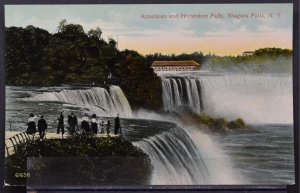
<point x="87" y="126"/>
<point x="42" y="126"/>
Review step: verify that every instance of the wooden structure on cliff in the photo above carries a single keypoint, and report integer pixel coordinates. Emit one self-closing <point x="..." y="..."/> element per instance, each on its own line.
<point x="169" y="66"/>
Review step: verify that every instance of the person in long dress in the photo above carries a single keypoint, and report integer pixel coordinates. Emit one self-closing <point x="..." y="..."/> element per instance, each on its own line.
<point x="31" y="129"/>
<point x="117" y="125"/>
<point x="85" y="124"/>
<point x="94" y="124"/>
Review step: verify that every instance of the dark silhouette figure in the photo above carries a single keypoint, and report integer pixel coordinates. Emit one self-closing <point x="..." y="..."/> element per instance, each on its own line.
<point x="73" y="122"/>
<point x="94" y="124"/>
<point x="102" y="125"/>
<point x="108" y="128"/>
<point x="60" y="125"/>
<point x="31" y="129"/>
<point x="117" y="125"/>
<point x="85" y="124"/>
<point x="42" y="126"/>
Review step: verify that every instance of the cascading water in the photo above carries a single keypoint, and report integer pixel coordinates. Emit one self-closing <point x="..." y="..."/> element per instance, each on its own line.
<point x="178" y="92"/>
<point x="119" y="100"/>
<point x="108" y="102"/>
<point x="182" y="155"/>
<point x="177" y="159"/>
<point x="255" y="98"/>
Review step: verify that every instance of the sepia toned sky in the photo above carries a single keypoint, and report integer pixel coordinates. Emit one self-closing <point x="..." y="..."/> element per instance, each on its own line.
<point x="267" y="25"/>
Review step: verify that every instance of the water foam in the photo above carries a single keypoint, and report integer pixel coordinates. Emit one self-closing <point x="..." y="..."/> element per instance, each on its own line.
<point x="97" y="99"/>
<point x="255" y="98"/>
<point x="188" y="157"/>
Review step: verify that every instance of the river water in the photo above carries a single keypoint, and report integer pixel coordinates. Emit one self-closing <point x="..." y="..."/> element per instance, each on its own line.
<point x="261" y="154"/>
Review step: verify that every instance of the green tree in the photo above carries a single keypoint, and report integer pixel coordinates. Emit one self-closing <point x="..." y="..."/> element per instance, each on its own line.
<point x="140" y="83"/>
<point x="25" y="48"/>
<point x="66" y="55"/>
<point x="35" y="57"/>
<point x="62" y="25"/>
<point x="96" y="33"/>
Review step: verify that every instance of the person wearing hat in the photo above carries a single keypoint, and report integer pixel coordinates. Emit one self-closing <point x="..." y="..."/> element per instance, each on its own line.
<point x="72" y="121"/>
<point x="31" y="129"/>
<point x="85" y="123"/>
<point x="60" y="123"/>
<point x="42" y="126"/>
<point x="117" y="125"/>
<point x="94" y="124"/>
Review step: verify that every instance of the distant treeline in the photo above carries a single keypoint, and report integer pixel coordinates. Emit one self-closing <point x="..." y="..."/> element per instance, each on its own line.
<point x="264" y="60"/>
<point x="36" y="57"/>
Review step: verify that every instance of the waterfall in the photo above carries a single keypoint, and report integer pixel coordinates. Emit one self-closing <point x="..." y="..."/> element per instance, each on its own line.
<point x="178" y="160"/>
<point x="119" y="100"/>
<point x="182" y="92"/>
<point x="259" y="98"/>
<point x="108" y="102"/>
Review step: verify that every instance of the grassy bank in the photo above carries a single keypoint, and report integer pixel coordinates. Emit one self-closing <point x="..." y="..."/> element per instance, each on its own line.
<point x="220" y="123"/>
<point x="208" y="122"/>
<point x="79" y="160"/>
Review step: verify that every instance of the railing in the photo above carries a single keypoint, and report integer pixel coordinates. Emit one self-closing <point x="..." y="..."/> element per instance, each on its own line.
<point x="12" y="142"/>
<point x="51" y="127"/>
<point x="15" y="140"/>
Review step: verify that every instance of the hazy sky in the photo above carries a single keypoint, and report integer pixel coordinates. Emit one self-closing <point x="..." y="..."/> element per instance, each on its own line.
<point x="222" y="36"/>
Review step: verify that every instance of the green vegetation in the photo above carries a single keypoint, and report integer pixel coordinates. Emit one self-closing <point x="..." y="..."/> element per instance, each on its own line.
<point x="264" y="60"/>
<point x="208" y="123"/>
<point x="220" y="123"/>
<point x="92" y="160"/>
<point x="138" y="81"/>
<point x="238" y="123"/>
<point x="36" y="57"/>
<point x="24" y="52"/>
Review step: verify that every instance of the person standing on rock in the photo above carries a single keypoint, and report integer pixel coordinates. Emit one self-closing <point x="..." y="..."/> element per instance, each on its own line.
<point x="117" y="125"/>
<point x="42" y="126"/>
<point x="94" y="124"/>
<point x="31" y="129"/>
<point x="60" y="124"/>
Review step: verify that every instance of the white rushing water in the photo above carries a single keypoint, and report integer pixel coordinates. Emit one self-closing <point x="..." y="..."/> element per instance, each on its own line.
<point x="105" y="102"/>
<point x="178" y="159"/>
<point x="255" y="98"/>
<point x="186" y="156"/>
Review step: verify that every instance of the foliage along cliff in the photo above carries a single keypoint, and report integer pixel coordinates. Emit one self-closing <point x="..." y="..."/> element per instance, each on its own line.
<point x="79" y="160"/>
<point x="36" y="57"/>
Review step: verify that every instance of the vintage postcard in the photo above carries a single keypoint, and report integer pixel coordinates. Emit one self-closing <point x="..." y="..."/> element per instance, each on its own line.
<point x="131" y="95"/>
